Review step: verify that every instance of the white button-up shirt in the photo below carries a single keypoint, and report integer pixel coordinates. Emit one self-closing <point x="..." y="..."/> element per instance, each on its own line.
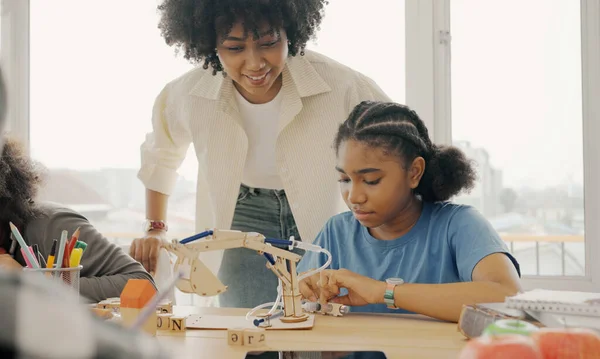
<point x="199" y="108"/>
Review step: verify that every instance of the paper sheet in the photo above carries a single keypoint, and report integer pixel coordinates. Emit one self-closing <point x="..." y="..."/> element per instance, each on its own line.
<point x="197" y="321"/>
<point x="560" y="302"/>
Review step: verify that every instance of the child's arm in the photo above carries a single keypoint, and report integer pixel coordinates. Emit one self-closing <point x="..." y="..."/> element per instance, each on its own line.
<point x="494" y="278"/>
<point x="486" y="271"/>
<point x="106" y="267"/>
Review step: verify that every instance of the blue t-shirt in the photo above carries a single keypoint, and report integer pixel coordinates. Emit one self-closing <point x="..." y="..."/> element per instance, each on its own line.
<point x="444" y="246"/>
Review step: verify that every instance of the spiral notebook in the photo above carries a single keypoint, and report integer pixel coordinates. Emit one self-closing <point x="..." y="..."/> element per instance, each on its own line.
<point x="560" y="302"/>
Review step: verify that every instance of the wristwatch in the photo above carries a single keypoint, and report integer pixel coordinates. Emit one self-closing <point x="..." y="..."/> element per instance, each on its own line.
<point x="152" y="225"/>
<point x="388" y="296"/>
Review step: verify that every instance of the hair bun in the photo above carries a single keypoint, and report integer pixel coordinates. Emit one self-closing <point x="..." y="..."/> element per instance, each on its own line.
<point x="451" y="172"/>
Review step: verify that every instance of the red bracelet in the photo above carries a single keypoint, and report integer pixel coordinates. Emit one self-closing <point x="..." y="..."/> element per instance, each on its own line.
<point x="152" y="225"/>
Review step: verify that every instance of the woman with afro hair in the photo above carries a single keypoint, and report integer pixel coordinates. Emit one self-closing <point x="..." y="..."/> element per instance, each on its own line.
<point x="261" y="111"/>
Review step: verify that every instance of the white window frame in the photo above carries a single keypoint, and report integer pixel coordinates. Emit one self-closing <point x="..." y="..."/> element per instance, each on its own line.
<point x="428" y="83"/>
<point x="14" y="59"/>
<point x="428" y="90"/>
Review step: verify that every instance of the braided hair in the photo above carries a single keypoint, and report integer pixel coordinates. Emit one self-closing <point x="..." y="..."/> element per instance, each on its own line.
<point x="398" y="130"/>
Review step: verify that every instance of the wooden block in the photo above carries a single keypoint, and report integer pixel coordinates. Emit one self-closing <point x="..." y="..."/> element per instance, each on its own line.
<point x="136" y="293"/>
<point x="255" y="337"/>
<point x="235" y="336"/>
<point x="116" y="319"/>
<point x="177" y="324"/>
<point x="109" y="303"/>
<point x="115" y="307"/>
<point x="129" y="315"/>
<point x="102" y="313"/>
<point x="165" y="307"/>
<point x="103" y="304"/>
<point x="150" y="325"/>
<point x="163" y="321"/>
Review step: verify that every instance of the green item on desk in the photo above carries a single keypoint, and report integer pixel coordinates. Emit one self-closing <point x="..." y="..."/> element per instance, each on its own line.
<point x="510" y="326"/>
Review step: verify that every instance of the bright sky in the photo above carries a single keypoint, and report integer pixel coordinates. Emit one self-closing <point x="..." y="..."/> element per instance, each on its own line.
<point x="96" y="68"/>
<point x="516" y="82"/>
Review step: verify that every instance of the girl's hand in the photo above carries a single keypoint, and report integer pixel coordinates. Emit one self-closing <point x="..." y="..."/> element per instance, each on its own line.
<point x="361" y="290"/>
<point x="309" y="288"/>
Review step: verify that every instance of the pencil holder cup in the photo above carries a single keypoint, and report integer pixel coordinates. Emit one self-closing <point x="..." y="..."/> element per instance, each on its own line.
<point x="69" y="276"/>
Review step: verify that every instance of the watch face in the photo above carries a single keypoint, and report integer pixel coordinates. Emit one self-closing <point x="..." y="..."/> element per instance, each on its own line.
<point x="394" y="281"/>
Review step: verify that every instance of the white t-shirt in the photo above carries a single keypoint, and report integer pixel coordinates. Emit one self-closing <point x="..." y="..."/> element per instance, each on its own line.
<point x="261" y="123"/>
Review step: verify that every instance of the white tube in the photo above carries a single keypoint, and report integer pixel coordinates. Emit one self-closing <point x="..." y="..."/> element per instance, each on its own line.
<point x="279" y="296"/>
<point x="276" y="304"/>
<point x="257" y="308"/>
<point x="307" y="246"/>
<point x="279" y="300"/>
<point x="321" y="268"/>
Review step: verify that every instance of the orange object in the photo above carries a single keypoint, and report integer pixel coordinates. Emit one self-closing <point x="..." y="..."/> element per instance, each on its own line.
<point x="137" y="293"/>
<point x="499" y="347"/>
<point x="567" y="343"/>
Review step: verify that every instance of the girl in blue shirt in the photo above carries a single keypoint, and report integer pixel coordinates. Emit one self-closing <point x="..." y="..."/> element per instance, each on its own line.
<point x="402" y="245"/>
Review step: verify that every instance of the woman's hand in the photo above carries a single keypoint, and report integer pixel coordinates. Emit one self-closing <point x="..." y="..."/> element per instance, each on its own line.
<point x="145" y="250"/>
<point x="326" y="287"/>
<point x="8" y="263"/>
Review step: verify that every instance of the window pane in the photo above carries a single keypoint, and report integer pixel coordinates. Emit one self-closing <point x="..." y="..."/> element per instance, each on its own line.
<point x="96" y="68"/>
<point x="369" y="39"/>
<point x="517" y="112"/>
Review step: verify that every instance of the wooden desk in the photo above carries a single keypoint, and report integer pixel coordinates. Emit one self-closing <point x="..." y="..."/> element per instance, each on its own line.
<point x="398" y="336"/>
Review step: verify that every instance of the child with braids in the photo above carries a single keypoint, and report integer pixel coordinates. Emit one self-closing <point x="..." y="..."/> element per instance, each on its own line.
<point x="403" y="247"/>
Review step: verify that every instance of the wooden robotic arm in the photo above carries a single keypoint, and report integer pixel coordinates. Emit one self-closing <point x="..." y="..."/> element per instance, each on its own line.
<point x="197" y="278"/>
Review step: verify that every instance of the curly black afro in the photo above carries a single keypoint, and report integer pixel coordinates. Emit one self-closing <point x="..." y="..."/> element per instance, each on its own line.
<point x="193" y="25"/>
<point x="20" y="180"/>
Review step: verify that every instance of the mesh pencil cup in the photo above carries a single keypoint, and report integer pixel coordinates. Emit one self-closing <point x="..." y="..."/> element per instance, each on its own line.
<point x="69" y="276"/>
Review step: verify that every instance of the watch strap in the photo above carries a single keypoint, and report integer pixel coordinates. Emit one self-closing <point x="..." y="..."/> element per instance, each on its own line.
<point x="388" y="296"/>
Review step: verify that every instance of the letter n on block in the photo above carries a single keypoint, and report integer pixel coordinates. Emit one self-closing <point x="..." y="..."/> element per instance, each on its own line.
<point x="177" y="324"/>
